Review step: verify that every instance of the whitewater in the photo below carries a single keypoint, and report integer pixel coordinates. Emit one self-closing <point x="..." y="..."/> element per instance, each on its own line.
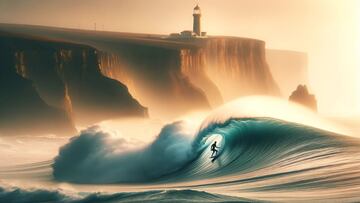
<point x="270" y="150"/>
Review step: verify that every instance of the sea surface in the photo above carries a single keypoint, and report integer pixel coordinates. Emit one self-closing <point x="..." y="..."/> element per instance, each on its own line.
<point x="268" y="158"/>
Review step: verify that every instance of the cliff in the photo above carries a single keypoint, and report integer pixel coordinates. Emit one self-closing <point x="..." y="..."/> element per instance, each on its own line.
<point x="302" y="96"/>
<point x="148" y="65"/>
<point x="154" y="76"/>
<point x="236" y="66"/>
<point x="60" y="75"/>
<point x="222" y="68"/>
<point x="174" y="76"/>
<point x="22" y="111"/>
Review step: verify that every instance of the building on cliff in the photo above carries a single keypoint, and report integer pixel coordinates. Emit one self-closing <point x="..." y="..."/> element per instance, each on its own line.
<point x="196" y="32"/>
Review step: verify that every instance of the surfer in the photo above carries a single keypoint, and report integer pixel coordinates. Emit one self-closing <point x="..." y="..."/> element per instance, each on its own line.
<point x="213" y="149"/>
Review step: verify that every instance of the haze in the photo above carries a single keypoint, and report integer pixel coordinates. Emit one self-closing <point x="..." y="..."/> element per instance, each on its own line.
<point x="328" y="30"/>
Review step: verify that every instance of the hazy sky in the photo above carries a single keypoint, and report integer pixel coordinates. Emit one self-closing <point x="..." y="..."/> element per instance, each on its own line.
<point x="328" y="30"/>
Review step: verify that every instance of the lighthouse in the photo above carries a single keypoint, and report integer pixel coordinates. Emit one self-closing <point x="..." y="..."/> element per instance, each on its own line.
<point x="197" y="21"/>
<point x="196" y="32"/>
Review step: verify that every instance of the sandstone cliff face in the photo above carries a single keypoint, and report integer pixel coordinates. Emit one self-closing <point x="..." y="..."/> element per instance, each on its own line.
<point x="302" y="96"/>
<point x="154" y="76"/>
<point x="236" y="66"/>
<point x="193" y="65"/>
<point x="67" y="77"/>
<point x="219" y="68"/>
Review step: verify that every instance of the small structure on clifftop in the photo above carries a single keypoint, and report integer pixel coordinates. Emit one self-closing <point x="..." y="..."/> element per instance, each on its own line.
<point x="302" y="96"/>
<point x="196" y="32"/>
<point x="197" y="21"/>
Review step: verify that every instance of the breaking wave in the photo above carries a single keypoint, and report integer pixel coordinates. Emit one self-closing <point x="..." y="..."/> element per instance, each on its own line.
<point x="262" y="156"/>
<point x="246" y="145"/>
<point x="92" y="157"/>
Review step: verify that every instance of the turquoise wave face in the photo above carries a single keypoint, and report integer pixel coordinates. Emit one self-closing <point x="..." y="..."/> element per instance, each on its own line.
<point x="248" y="145"/>
<point x="263" y="147"/>
<point x="258" y="158"/>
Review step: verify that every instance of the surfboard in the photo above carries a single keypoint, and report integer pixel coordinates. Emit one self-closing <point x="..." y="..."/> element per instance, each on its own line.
<point x="213" y="158"/>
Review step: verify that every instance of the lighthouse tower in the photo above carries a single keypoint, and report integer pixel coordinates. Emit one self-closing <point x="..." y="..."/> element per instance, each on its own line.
<point x="197" y="22"/>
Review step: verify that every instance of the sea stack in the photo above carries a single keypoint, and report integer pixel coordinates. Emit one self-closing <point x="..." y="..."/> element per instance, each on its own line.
<point x="302" y="96"/>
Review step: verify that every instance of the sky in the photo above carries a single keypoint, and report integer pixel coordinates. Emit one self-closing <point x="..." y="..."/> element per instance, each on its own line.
<point x="328" y="30"/>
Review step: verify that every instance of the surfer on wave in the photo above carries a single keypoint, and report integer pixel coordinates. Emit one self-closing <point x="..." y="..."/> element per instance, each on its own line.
<point x="214" y="150"/>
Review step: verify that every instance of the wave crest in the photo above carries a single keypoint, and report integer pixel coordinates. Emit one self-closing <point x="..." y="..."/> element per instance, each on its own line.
<point x="92" y="157"/>
<point x="246" y="145"/>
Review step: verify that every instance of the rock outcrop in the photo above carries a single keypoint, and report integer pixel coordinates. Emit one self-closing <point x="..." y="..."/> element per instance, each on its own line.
<point x="302" y="96"/>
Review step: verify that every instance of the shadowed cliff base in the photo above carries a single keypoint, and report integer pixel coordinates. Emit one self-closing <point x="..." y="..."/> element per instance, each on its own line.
<point x="46" y="84"/>
<point x="21" y="108"/>
<point x="24" y="112"/>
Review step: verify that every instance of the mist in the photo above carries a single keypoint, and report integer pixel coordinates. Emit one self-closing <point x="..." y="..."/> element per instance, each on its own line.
<point x="327" y="30"/>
